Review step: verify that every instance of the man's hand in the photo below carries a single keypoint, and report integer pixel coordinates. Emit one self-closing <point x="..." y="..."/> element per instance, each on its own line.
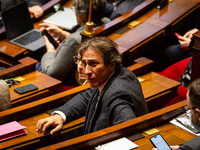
<point x="56" y="121"/>
<point x="49" y="46"/>
<point x="54" y="31"/>
<point x="36" y="10"/>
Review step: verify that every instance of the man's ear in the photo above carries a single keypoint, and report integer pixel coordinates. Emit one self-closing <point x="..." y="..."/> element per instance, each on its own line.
<point x="113" y="66"/>
<point x="198" y="110"/>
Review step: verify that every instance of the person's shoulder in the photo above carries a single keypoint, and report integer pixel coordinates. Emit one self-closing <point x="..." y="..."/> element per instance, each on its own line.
<point x="191" y="144"/>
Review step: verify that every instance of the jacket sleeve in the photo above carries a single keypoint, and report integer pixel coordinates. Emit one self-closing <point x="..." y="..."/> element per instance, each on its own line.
<point x="76" y="107"/>
<point x="34" y="2"/>
<point x="60" y="64"/>
<point x="192" y="144"/>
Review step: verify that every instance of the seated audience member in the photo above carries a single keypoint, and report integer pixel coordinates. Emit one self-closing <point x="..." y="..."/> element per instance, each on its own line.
<point x="193" y="104"/>
<point x="186" y="76"/>
<point x="59" y="63"/>
<point x="175" y="53"/>
<point x="120" y="7"/>
<point x="4" y="96"/>
<point x="34" y="6"/>
<point x="115" y="95"/>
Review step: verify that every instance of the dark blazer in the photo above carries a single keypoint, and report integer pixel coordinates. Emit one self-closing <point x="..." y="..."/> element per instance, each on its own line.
<point x="193" y="144"/>
<point x="124" y="6"/>
<point x="121" y="100"/>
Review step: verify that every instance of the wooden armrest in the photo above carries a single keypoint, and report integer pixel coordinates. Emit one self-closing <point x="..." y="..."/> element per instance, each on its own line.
<point x="141" y="66"/>
<point x="25" y="65"/>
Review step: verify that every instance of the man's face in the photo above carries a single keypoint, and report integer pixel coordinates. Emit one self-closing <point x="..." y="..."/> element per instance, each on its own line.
<point x="96" y="73"/>
<point x="193" y="112"/>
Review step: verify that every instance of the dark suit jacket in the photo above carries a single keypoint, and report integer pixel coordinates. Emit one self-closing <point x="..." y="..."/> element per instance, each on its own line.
<point x="121" y="100"/>
<point x="193" y="144"/>
<point x="124" y="7"/>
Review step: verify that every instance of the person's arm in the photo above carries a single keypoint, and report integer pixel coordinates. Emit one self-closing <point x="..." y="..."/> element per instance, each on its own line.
<point x="36" y="10"/>
<point x="35" y="7"/>
<point x="60" y="64"/>
<point x="54" y="31"/>
<point x="72" y="109"/>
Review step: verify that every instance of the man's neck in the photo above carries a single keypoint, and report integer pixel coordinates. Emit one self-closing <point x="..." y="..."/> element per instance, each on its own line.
<point x="103" y="85"/>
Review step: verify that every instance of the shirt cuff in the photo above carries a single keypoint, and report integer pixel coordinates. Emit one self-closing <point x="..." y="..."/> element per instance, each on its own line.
<point x="60" y="113"/>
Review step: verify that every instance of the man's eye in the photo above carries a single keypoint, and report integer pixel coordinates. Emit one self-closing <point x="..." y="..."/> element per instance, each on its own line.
<point x="84" y="63"/>
<point x="93" y="63"/>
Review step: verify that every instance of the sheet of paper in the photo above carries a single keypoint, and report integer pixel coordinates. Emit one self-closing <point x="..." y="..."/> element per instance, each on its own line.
<point x="10" y="130"/>
<point x="119" y="144"/>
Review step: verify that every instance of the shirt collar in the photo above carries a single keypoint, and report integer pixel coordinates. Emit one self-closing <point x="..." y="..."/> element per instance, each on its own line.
<point x="103" y="85"/>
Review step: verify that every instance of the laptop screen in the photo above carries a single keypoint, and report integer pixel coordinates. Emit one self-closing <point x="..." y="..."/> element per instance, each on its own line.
<point x="17" y="20"/>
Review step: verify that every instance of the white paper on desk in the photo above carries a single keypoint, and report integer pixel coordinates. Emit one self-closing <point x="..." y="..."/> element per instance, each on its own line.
<point x="119" y="144"/>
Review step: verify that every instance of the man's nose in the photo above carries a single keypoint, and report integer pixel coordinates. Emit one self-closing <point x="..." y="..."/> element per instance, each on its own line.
<point x="87" y="69"/>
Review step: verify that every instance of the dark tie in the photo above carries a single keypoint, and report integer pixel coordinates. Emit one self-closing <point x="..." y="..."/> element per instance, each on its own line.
<point x="91" y="112"/>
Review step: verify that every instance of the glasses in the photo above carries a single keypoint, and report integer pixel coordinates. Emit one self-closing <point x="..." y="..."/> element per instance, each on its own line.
<point x="76" y="59"/>
<point x="90" y="64"/>
<point x="187" y="108"/>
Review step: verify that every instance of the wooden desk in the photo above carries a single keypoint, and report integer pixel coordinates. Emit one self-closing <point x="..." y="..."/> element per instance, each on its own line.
<point x="46" y="87"/>
<point x="171" y="133"/>
<point x="158" y="90"/>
